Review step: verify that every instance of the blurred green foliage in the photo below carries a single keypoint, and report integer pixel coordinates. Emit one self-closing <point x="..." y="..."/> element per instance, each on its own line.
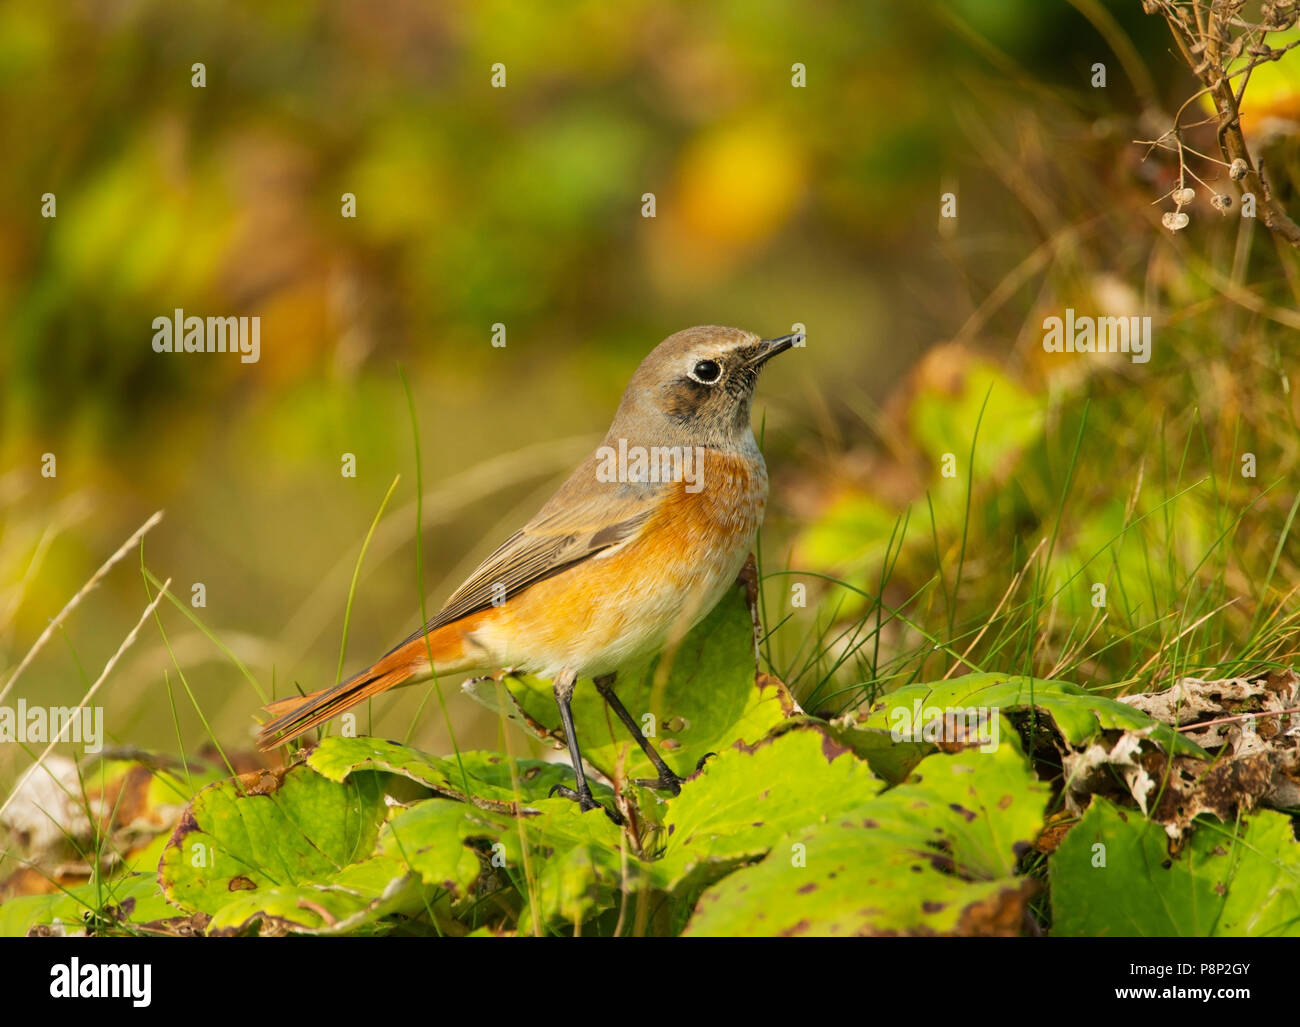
<point x="477" y="206"/>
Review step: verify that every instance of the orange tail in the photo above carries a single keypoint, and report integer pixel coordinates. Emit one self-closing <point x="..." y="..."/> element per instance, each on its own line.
<point x="406" y="664"/>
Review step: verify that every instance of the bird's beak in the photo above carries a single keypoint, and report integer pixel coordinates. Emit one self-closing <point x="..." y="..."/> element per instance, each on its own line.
<point x="768" y="348"/>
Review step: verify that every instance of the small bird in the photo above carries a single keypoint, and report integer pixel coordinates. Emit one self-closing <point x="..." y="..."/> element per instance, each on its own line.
<point x="635" y="548"/>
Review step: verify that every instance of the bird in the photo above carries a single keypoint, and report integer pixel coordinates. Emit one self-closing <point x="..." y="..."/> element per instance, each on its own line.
<point x="637" y="546"/>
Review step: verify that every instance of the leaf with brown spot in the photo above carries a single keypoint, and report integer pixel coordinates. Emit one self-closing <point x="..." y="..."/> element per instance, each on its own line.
<point x="1078" y="716"/>
<point x="1001" y="915"/>
<point x="930" y="864"/>
<point x="337" y="903"/>
<point x="279" y="830"/>
<point x="792" y="778"/>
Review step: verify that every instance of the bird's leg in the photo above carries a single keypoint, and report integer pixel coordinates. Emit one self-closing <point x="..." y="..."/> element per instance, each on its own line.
<point x="667" y="780"/>
<point x="564" y="685"/>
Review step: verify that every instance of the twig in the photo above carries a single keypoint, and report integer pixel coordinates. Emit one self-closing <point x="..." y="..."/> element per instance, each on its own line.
<point x="1240" y="716"/>
<point x="1208" y="43"/>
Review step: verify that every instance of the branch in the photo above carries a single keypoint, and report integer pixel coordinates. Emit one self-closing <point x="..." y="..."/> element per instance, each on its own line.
<point x="1207" y="43"/>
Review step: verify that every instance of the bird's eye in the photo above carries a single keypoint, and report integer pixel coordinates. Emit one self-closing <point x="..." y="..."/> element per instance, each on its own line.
<point x="707" y="371"/>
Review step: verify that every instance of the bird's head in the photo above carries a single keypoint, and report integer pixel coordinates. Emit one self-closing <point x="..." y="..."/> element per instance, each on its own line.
<point x="696" y="387"/>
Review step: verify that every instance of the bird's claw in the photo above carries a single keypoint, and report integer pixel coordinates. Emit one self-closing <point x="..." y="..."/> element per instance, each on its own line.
<point x="670" y="782"/>
<point x="586" y="801"/>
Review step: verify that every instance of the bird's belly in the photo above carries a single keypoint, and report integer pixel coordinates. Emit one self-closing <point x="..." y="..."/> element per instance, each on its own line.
<point x="642" y="595"/>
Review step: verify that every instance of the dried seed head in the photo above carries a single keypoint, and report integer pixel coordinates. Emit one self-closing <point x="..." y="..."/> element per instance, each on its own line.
<point x="1221" y="202"/>
<point x="1184" y="196"/>
<point x="1277" y="14"/>
<point x="1174" y="220"/>
<point x="1237" y="170"/>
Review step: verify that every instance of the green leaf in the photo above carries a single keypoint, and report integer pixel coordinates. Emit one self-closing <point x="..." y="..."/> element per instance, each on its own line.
<point x="708" y="700"/>
<point x="433" y="839"/>
<point x="574" y="858"/>
<point x="580" y="861"/>
<point x="131" y="899"/>
<point x="357" y="895"/>
<point x="487" y="773"/>
<point x="1079" y="715"/>
<point x="748" y="799"/>
<point x="935" y="855"/>
<point x="1224" y="883"/>
<point x="267" y="830"/>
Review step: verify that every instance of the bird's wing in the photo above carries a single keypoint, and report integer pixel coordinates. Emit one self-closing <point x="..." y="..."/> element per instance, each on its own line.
<point x="576" y="524"/>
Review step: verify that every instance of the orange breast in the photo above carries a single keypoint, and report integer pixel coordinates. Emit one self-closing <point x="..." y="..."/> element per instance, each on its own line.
<point x="636" y="596"/>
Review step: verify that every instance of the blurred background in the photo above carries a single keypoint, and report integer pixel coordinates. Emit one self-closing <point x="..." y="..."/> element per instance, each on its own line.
<point x="775" y="203"/>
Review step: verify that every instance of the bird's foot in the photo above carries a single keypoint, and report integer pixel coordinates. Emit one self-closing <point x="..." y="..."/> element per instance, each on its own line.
<point x="669" y="782"/>
<point x="586" y="801"/>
